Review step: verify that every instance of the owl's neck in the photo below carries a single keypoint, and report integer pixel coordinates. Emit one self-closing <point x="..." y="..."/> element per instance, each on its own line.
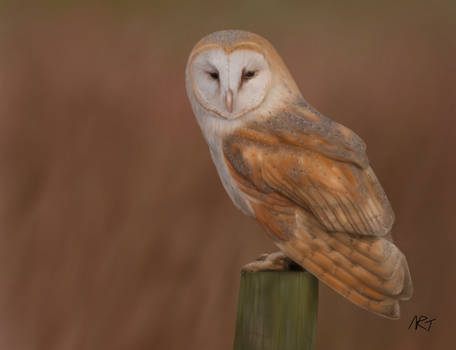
<point x="215" y="128"/>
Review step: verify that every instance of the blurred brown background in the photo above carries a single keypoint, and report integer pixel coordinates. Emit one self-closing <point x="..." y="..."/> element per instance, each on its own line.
<point x="115" y="232"/>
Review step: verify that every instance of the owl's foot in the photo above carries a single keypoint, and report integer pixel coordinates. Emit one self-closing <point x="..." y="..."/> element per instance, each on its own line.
<point x="277" y="261"/>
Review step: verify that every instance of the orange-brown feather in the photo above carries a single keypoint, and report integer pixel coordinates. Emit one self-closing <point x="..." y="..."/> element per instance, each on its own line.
<point x="313" y="191"/>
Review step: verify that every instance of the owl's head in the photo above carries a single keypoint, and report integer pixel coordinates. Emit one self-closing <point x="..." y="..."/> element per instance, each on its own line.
<point x="231" y="73"/>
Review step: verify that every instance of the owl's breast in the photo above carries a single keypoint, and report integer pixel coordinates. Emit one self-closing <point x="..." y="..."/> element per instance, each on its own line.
<point x="239" y="199"/>
<point x="215" y="130"/>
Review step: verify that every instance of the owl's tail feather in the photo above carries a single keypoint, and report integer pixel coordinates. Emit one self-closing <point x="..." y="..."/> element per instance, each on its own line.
<point x="369" y="271"/>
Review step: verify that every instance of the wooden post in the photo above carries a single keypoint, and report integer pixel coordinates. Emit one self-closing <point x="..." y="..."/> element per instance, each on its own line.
<point x="276" y="311"/>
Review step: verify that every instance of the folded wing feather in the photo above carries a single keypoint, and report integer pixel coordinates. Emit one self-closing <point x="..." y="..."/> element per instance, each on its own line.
<point x="310" y="184"/>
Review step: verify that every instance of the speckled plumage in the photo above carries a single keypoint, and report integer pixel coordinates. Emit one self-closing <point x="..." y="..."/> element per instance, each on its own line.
<point x="308" y="182"/>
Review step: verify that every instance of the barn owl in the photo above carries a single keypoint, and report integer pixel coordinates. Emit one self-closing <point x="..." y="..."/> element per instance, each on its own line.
<point x="306" y="179"/>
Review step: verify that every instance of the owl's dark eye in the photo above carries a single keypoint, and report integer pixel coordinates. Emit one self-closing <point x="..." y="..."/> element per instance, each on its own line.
<point x="249" y="74"/>
<point x="214" y="75"/>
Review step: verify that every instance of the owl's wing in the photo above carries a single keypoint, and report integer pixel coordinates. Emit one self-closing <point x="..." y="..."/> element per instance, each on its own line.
<point x="304" y="127"/>
<point x="318" y="198"/>
<point x="316" y="163"/>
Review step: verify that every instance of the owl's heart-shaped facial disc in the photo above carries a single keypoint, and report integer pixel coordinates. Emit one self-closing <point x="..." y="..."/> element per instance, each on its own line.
<point x="230" y="84"/>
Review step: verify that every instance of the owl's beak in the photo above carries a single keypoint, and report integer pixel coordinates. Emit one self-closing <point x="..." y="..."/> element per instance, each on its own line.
<point x="229" y="100"/>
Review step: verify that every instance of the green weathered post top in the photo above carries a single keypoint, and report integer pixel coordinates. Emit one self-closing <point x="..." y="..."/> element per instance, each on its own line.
<point x="277" y="310"/>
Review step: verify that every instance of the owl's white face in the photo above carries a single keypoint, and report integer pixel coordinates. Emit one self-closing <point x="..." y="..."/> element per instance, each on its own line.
<point x="230" y="84"/>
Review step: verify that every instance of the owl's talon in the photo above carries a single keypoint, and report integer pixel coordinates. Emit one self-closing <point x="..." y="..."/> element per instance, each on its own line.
<point x="277" y="261"/>
<point x="262" y="257"/>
